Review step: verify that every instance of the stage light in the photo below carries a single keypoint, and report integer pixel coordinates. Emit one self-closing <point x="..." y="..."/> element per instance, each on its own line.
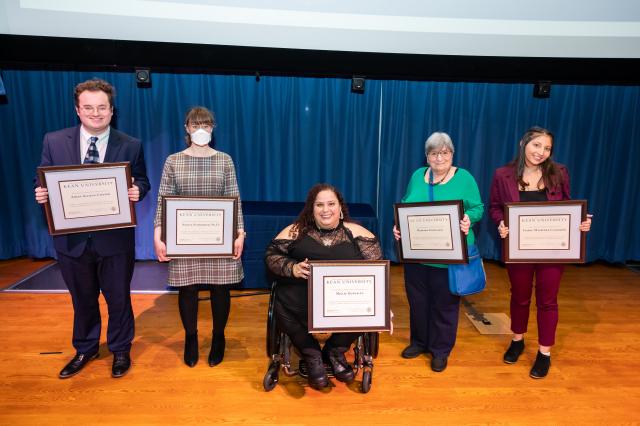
<point x="542" y="89"/>
<point x="357" y="84"/>
<point x="143" y="77"/>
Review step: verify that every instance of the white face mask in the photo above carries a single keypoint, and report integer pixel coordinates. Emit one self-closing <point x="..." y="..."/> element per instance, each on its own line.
<point x="200" y="137"/>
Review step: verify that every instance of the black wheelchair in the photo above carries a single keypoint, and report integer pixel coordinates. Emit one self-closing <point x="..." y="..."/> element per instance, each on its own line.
<point x="279" y="352"/>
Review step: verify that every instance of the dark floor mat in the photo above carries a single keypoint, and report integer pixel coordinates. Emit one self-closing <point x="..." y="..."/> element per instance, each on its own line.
<point x="148" y="277"/>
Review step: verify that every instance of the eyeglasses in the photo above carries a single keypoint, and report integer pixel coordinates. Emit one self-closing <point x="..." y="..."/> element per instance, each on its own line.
<point x="196" y="126"/>
<point x="444" y="154"/>
<point x="89" y="109"/>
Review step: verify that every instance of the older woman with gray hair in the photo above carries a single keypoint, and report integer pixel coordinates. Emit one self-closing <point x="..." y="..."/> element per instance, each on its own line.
<point x="433" y="310"/>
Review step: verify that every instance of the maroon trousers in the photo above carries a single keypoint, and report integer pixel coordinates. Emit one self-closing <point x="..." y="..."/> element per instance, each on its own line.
<point x="547" y="284"/>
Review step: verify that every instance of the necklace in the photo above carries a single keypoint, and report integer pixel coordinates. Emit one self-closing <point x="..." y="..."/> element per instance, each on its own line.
<point x="327" y="236"/>
<point x="432" y="183"/>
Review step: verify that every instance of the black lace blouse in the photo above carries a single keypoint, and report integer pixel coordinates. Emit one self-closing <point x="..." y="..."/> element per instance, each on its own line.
<point x="318" y="244"/>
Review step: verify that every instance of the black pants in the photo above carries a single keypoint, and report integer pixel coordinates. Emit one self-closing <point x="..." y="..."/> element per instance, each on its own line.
<point x="86" y="276"/>
<point x="292" y="320"/>
<point x="188" y="306"/>
<point x="433" y="310"/>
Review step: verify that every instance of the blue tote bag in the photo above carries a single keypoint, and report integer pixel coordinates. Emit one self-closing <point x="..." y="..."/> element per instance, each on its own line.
<point x="470" y="278"/>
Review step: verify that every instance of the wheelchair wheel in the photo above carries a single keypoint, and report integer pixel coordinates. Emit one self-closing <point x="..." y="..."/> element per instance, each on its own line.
<point x="273" y="335"/>
<point x="271" y="377"/>
<point x="366" y="380"/>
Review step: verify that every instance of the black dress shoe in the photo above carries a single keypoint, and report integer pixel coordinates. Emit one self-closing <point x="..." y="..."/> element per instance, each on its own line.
<point x="412" y="351"/>
<point x="541" y="366"/>
<point x="76" y="364"/>
<point x="438" y="363"/>
<point x="341" y="368"/>
<point x="121" y="364"/>
<point x="317" y="375"/>
<point x="216" y="355"/>
<point x="191" y="349"/>
<point x="513" y="353"/>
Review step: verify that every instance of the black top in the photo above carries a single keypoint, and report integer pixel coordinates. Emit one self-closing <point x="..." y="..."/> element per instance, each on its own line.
<point x="540" y="195"/>
<point x="317" y="244"/>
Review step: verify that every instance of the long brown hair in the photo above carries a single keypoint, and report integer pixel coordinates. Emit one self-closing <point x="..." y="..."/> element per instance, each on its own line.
<point x="550" y="174"/>
<point x="305" y="220"/>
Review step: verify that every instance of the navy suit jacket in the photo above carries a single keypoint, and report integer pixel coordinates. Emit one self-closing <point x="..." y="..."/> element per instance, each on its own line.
<point x="62" y="148"/>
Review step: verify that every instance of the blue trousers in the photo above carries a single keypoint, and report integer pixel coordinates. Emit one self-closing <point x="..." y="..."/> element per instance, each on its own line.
<point x="88" y="275"/>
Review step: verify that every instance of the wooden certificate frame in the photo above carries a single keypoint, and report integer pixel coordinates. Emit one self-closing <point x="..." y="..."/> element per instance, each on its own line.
<point x="204" y="227"/>
<point x="431" y="232"/>
<point x="87" y="197"/>
<point x="348" y="295"/>
<point x="546" y="232"/>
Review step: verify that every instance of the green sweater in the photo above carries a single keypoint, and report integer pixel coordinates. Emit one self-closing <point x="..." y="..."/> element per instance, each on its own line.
<point x="462" y="186"/>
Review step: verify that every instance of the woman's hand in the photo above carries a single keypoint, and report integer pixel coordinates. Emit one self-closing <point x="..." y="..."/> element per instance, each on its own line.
<point x="159" y="245"/>
<point x="465" y="224"/>
<point x="301" y="269"/>
<point x="586" y="225"/>
<point x="161" y="250"/>
<point x="238" y="245"/>
<point x="396" y="233"/>
<point x="503" y="230"/>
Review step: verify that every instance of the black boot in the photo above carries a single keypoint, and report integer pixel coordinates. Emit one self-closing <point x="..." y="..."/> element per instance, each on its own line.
<point x="191" y="349"/>
<point x="217" y="349"/>
<point x="336" y="359"/>
<point x="513" y="353"/>
<point x="541" y="366"/>
<point x="439" y="363"/>
<point x="317" y="375"/>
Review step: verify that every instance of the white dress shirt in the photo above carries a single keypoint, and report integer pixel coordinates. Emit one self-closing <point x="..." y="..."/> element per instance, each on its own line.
<point x="101" y="144"/>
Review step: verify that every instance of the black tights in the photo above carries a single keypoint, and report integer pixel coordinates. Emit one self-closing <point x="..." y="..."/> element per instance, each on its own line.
<point x="188" y="306"/>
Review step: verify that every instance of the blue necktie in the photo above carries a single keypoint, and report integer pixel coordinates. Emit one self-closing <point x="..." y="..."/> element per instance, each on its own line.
<point x="93" y="156"/>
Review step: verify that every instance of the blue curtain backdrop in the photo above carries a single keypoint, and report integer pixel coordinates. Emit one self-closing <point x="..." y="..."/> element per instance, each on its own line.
<point x="287" y="133"/>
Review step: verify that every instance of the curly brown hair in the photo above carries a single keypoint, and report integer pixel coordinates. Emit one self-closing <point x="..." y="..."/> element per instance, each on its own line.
<point x="94" y="85"/>
<point x="305" y="220"/>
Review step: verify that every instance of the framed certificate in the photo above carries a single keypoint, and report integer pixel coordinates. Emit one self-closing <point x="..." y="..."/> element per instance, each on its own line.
<point x="349" y="295"/>
<point x="431" y="232"/>
<point x="545" y="232"/>
<point x="199" y="226"/>
<point x="87" y="197"/>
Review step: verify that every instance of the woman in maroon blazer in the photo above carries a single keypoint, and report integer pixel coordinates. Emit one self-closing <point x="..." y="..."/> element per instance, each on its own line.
<point x="532" y="176"/>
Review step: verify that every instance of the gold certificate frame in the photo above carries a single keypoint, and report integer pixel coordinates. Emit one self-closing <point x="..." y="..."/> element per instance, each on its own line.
<point x="431" y="232"/>
<point x="348" y="295"/>
<point x="199" y="226"/>
<point x="87" y="197"/>
<point x="546" y="232"/>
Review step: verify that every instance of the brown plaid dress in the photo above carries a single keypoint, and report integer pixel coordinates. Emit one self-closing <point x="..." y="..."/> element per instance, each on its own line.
<point x="201" y="176"/>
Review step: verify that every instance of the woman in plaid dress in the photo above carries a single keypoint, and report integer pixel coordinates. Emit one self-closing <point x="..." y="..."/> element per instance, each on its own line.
<point x="200" y="170"/>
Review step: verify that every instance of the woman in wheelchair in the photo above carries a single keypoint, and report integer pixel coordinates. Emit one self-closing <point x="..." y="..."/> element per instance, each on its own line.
<point x="322" y="231"/>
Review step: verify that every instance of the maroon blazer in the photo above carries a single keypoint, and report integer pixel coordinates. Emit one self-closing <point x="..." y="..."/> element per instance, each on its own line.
<point x="504" y="189"/>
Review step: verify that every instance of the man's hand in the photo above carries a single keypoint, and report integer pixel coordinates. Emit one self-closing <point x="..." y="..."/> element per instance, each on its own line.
<point x="42" y="195"/>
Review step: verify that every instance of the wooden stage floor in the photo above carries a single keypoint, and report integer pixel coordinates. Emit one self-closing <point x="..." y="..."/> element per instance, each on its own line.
<point x="594" y="377"/>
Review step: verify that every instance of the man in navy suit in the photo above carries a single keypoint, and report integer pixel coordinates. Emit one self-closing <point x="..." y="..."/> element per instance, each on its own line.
<point x="97" y="261"/>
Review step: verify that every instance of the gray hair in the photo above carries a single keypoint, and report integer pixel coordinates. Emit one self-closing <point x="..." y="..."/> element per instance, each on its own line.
<point x="438" y="140"/>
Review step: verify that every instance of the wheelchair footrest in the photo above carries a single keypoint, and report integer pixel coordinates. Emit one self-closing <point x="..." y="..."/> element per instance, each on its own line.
<point x="304" y="371"/>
